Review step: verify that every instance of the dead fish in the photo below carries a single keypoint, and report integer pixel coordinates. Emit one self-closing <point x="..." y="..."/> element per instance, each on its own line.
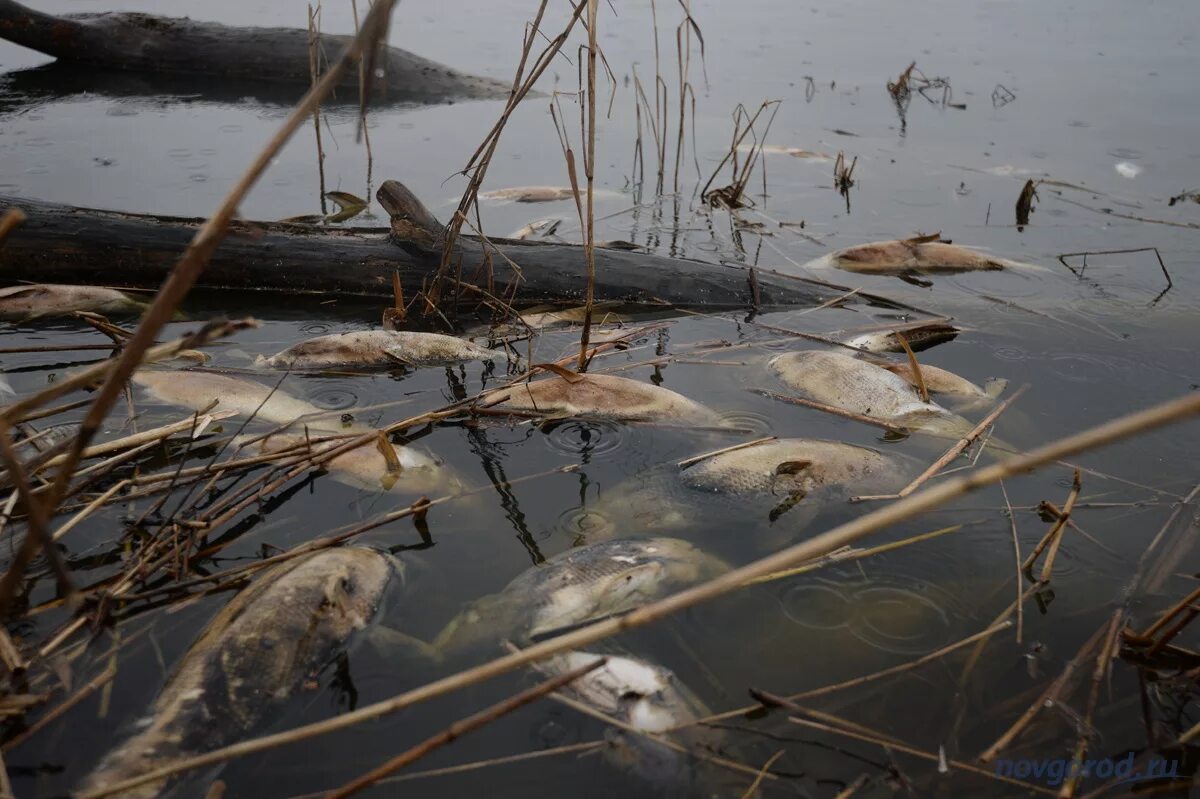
<point x="408" y="470"/>
<point x="578" y="586"/>
<point x="197" y="390"/>
<point x="608" y="396"/>
<point x="767" y="481"/>
<point x="794" y="152"/>
<point x="254" y="656"/>
<point x="919" y="255"/>
<point x="918" y="338"/>
<point x="861" y="387"/>
<point x="52" y="299"/>
<point x="602" y="313"/>
<point x="940" y="381"/>
<point x="647" y="697"/>
<point x="538" y="194"/>
<point x="540" y="227"/>
<point x="377" y="348"/>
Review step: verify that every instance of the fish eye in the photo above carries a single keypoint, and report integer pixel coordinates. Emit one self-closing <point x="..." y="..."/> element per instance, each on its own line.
<point x="348" y="585"/>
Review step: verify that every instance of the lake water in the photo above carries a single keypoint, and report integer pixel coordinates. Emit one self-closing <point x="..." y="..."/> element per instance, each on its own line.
<point x="1100" y="96"/>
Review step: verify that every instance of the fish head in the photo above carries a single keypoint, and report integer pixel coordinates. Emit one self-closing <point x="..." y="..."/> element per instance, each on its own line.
<point x="685" y="562"/>
<point x="355" y="586"/>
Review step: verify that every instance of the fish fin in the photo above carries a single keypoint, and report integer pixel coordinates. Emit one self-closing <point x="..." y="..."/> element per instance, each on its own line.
<point x="793" y="499"/>
<point x="994" y="386"/>
<point x="394" y="354"/>
<point x="914" y="279"/>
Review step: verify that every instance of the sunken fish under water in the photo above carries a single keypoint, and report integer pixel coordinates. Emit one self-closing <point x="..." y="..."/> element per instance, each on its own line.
<point x="253" y="657"/>
<point x="580" y="585"/>
<point x="54" y="299"/>
<point x="608" y="396"/>
<point x="198" y="390"/>
<point x="862" y="387"/>
<point x="764" y="482"/>
<point x="377" y="348"/>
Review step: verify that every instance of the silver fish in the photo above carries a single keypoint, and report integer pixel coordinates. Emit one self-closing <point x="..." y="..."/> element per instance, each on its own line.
<point x="377" y="348"/>
<point x="366" y="467"/>
<point x="53" y="299"/>
<point x="784" y="479"/>
<point x="577" y="586"/>
<point x="540" y="227"/>
<point x="197" y="390"/>
<point x="251" y="659"/>
<point x="538" y="194"/>
<point x="864" y="388"/>
<point x="609" y="396"/>
<point x="900" y="256"/>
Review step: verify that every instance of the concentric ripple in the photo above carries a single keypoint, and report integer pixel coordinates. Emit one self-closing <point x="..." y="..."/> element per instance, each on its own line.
<point x="334" y="396"/>
<point x="592" y="437"/>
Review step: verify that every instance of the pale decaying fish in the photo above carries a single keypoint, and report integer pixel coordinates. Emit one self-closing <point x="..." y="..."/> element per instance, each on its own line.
<point x="409" y="470"/>
<point x="904" y="256"/>
<point x="861" y="387"/>
<point x="198" y="390"/>
<point x="941" y="381"/>
<point x="539" y="227"/>
<point x="602" y="313"/>
<point x="254" y="656"/>
<point x="53" y="299"/>
<point x="647" y="697"/>
<point x="918" y="338"/>
<point x="607" y="396"/>
<point x="577" y="586"/>
<point x="538" y="194"/>
<point x="377" y="348"/>
<point x="783" y="480"/>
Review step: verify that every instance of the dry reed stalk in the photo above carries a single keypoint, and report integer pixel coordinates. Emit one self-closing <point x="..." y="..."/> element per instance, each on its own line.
<point x="686" y="462"/>
<point x="1012" y="522"/>
<point x="859" y="783"/>
<point x="764" y="771"/>
<point x="952" y="453"/>
<point x="464" y="726"/>
<point x="1046" y="699"/>
<point x="1060" y="528"/>
<point x="1053" y="533"/>
<point x="314" y="71"/>
<point x="842" y="535"/>
<point x="1107" y="651"/>
<point x="856" y="681"/>
<point x="148" y="436"/>
<point x="589" y="171"/>
<point x="916" y="367"/>
<point x="583" y="747"/>
<point x="58" y="710"/>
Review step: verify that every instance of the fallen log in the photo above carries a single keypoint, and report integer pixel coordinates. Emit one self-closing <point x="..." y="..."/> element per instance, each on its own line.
<point x="63" y="244"/>
<point x="146" y="43"/>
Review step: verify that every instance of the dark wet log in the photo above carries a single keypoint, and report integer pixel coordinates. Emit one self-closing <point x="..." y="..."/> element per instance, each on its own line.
<point x="146" y="43"/>
<point x="61" y="244"/>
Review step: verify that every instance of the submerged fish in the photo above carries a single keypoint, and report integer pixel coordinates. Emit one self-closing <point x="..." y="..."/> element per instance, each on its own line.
<point x="940" y="381"/>
<point x="918" y="338"/>
<point x="540" y="227"/>
<point x="537" y="194"/>
<point x="377" y="348"/>
<point x="53" y="299"/>
<point x="902" y="256"/>
<point x="197" y="390"/>
<point x="861" y="387"/>
<point x="647" y="697"/>
<point x="578" y="586"/>
<point x="609" y="396"/>
<point x="254" y="655"/>
<point x="409" y="470"/>
<point x="766" y="481"/>
<point x="602" y="313"/>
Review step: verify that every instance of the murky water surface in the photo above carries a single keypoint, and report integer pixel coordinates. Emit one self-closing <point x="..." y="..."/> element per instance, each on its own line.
<point x="1103" y="98"/>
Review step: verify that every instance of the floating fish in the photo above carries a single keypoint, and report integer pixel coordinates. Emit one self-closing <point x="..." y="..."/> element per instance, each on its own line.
<point x="647" y="697"/>
<point x="407" y="470"/>
<point x="377" y="348"/>
<point x="540" y="194"/>
<point x="602" y="313"/>
<point x="767" y="481"/>
<point x="861" y="387"/>
<point x="920" y="255"/>
<point x="540" y="227"/>
<point x="254" y="656"/>
<point x="940" y="381"/>
<point x="1127" y="170"/>
<point x="608" y="396"/>
<point x="918" y="338"/>
<point x="794" y="152"/>
<point x="198" y="390"/>
<point x="578" y="586"/>
<point x="52" y="299"/>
